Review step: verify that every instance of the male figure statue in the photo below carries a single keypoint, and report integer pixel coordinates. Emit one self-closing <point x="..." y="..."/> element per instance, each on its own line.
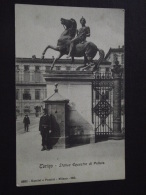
<point x="45" y="129"/>
<point x="82" y="33"/>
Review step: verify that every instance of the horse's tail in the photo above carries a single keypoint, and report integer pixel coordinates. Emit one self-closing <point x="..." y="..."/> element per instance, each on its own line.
<point x="101" y="57"/>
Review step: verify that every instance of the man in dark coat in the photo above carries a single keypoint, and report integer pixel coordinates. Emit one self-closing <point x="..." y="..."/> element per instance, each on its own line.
<point x="26" y="122"/>
<point x="45" y="129"/>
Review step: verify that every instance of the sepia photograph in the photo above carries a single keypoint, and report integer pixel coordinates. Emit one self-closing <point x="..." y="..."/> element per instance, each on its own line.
<point x="70" y="94"/>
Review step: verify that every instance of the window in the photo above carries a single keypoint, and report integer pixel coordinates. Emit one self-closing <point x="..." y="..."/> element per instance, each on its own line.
<point x="27" y="109"/>
<point x="26" y="67"/>
<point x="17" y="76"/>
<point x="37" y="68"/>
<point x="26" y="76"/>
<point x="122" y="59"/>
<point x="37" y="108"/>
<point x="107" y="69"/>
<point x="37" y="76"/>
<point x="17" y="110"/>
<point x="45" y="93"/>
<point x="17" y="67"/>
<point x="58" y="67"/>
<point x="17" y="94"/>
<point x="122" y="94"/>
<point x="115" y="57"/>
<point x="48" y="68"/>
<point x="37" y="94"/>
<point x="68" y="68"/>
<point x="26" y="95"/>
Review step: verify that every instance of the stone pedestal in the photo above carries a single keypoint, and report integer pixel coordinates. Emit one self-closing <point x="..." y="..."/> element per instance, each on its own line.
<point x="76" y="86"/>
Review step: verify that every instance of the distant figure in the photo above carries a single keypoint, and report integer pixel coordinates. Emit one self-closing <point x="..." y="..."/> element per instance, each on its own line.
<point x="45" y="130"/>
<point x="26" y="122"/>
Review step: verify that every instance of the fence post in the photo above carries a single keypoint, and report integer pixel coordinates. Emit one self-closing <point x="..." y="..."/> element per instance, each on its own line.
<point x="117" y="75"/>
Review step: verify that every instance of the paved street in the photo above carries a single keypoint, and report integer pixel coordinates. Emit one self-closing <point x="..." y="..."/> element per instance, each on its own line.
<point x="34" y="122"/>
<point x="47" y="167"/>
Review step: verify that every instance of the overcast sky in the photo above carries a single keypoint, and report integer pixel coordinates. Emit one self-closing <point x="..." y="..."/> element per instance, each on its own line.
<point x="38" y="26"/>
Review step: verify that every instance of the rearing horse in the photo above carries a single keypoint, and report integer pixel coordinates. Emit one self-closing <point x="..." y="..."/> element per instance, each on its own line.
<point x="86" y="49"/>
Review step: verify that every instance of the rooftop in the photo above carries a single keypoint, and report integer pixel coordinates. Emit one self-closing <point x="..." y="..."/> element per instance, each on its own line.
<point x="56" y="97"/>
<point x="113" y="50"/>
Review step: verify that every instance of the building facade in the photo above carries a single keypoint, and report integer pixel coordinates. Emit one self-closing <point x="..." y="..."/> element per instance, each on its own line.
<point x="30" y="84"/>
<point x="115" y="53"/>
<point x="31" y="87"/>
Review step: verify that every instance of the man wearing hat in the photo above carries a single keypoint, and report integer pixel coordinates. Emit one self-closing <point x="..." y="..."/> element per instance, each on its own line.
<point x="45" y="129"/>
<point x="82" y="33"/>
<point x="26" y="122"/>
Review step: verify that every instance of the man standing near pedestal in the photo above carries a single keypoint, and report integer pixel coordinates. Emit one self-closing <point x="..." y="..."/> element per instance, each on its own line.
<point x="45" y="129"/>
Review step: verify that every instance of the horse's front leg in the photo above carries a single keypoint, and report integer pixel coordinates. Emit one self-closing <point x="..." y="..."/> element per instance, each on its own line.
<point x="57" y="58"/>
<point x="85" y="60"/>
<point x="51" y="47"/>
<point x="83" y="66"/>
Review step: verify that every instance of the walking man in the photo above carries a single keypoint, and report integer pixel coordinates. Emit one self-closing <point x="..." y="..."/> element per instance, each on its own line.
<point x="45" y="129"/>
<point x="26" y="122"/>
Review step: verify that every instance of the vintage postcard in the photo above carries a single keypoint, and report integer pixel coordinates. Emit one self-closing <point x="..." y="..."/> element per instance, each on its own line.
<point x="69" y="78"/>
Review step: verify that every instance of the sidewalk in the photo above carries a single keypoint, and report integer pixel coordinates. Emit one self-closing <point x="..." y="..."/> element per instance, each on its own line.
<point x="20" y="125"/>
<point x="30" y="158"/>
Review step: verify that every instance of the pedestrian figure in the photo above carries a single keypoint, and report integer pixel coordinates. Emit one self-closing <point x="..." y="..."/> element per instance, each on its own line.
<point x="26" y="122"/>
<point x="45" y="129"/>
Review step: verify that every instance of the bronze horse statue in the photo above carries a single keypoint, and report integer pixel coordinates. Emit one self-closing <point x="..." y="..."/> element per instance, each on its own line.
<point x="86" y="49"/>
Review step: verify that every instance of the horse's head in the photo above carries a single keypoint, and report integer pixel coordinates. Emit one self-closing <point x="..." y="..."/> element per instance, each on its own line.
<point x="70" y="25"/>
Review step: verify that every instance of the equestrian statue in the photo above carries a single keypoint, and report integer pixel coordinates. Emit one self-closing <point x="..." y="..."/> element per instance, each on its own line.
<point x="72" y="43"/>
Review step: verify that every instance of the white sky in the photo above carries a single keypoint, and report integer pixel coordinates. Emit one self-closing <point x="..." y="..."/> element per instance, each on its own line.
<point x="38" y="26"/>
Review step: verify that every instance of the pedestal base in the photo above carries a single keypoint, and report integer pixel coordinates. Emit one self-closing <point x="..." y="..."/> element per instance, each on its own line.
<point x="117" y="136"/>
<point x="61" y="143"/>
<point x="92" y="138"/>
